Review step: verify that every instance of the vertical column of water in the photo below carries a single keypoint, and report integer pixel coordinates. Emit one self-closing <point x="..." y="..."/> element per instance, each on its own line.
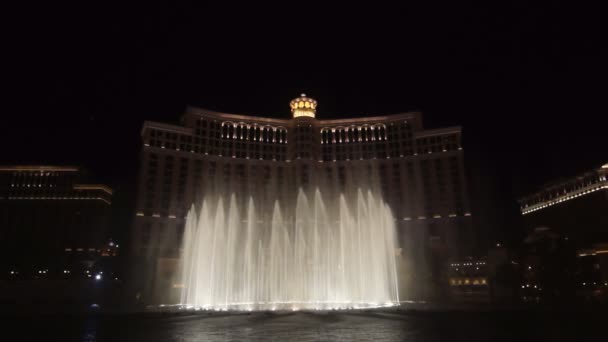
<point x="391" y="238"/>
<point x="347" y="236"/>
<point x="186" y="258"/>
<point x="202" y="274"/>
<point x="216" y="272"/>
<point x="249" y="263"/>
<point x="374" y="265"/>
<point x="275" y="255"/>
<point x="260" y="275"/>
<point x="325" y="246"/>
<point x="361" y="251"/>
<point x="301" y="279"/>
<point x="229" y="250"/>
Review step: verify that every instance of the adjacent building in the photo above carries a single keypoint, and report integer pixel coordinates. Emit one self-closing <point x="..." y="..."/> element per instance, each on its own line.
<point x="575" y="208"/>
<point x="564" y="251"/>
<point x="421" y="173"/>
<point x="51" y="220"/>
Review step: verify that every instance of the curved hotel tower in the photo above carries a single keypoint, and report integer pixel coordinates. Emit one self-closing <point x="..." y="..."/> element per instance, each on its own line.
<point x="419" y="173"/>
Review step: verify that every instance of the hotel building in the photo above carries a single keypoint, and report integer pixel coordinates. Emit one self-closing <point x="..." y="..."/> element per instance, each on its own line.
<point x="421" y="171"/>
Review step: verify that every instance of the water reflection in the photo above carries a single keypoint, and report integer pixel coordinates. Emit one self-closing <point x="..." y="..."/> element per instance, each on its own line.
<point x="90" y="330"/>
<point x="294" y="327"/>
<point x="302" y="326"/>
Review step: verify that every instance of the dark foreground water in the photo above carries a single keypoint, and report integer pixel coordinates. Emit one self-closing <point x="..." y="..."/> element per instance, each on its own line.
<point x="370" y="326"/>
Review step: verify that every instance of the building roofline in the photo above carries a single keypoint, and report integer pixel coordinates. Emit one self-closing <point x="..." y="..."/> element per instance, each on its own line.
<point x="437" y="131"/>
<point x="165" y="126"/>
<point x="203" y="111"/>
<point x="391" y="117"/>
<point x="101" y="187"/>
<point x="39" y="168"/>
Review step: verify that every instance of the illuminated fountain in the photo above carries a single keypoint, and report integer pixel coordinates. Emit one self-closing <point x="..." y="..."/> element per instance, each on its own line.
<point x="286" y="239"/>
<point x="328" y="246"/>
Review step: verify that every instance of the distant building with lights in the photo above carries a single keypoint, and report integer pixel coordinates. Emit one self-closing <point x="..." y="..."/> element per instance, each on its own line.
<point x="468" y="280"/>
<point x="421" y="172"/>
<point x="567" y="244"/>
<point x="493" y="278"/>
<point x="51" y="220"/>
<point x="593" y="272"/>
<point x="575" y="208"/>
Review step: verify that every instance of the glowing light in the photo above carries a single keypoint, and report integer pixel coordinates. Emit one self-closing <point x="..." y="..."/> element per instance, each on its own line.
<point x="526" y="209"/>
<point x="98" y="277"/>
<point x="303" y="106"/>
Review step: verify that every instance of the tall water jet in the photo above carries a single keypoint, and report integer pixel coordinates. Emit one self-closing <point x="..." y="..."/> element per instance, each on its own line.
<point x="329" y="245"/>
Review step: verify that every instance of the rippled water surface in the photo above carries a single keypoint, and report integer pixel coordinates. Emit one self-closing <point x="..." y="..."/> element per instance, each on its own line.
<point x="370" y="326"/>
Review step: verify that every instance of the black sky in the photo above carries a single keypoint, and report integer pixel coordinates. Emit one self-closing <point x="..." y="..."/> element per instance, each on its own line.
<point x="526" y="80"/>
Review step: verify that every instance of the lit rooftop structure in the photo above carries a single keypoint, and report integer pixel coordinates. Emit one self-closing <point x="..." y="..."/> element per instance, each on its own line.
<point x="303" y="106"/>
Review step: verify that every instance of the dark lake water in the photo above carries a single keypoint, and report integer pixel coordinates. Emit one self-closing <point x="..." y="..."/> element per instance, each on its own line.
<point x="370" y="326"/>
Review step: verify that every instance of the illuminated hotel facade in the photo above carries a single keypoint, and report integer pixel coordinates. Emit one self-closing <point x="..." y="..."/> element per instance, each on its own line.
<point x="421" y="171"/>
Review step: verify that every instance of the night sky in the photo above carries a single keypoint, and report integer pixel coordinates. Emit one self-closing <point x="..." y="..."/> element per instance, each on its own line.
<point x="526" y="82"/>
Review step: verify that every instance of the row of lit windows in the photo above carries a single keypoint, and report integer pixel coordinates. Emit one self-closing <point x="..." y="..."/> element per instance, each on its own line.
<point x="468" y="281"/>
<point x="338" y="135"/>
<point x="278" y="135"/>
<point x="236" y="150"/>
<point x="242" y="131"/>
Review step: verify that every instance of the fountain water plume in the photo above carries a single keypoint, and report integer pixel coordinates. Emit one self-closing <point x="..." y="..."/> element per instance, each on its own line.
<point x="327" y="247"/>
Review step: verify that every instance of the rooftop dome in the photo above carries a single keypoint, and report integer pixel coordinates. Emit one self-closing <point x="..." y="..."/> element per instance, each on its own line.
<point x="303" y="106"/>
